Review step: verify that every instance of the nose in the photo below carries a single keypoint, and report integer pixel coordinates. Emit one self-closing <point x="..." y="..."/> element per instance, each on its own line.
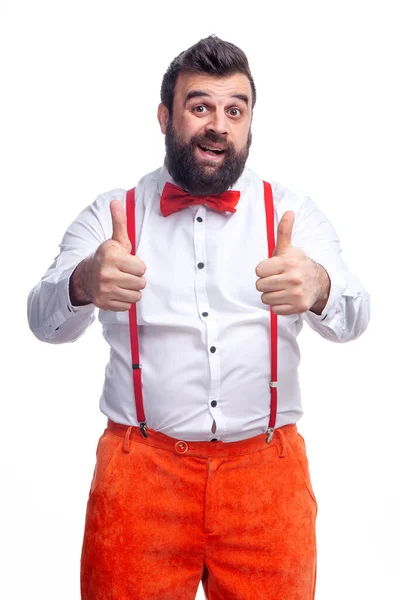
<point x="218" y="122"/>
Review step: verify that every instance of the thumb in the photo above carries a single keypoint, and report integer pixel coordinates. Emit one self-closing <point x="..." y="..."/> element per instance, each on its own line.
<point x="119" y="225"/>
<point x="284" y="235"/>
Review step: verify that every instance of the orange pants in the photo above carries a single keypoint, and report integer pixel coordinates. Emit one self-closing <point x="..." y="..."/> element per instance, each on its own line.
<point x="165" y="514"/>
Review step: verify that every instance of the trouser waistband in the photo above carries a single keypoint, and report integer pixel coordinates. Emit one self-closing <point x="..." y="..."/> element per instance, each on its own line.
<point x="206" y="449"/>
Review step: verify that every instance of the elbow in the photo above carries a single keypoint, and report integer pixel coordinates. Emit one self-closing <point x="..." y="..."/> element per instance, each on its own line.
<point x="356" y="320"/>
<point x="352" y="334"/>
<point x="47" y="334"/>
<point x="44" y="332"/>
<point x="55" y="336"/>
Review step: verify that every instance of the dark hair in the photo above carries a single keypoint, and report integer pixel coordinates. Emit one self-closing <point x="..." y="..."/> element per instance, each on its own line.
<point x="210" y="55"/>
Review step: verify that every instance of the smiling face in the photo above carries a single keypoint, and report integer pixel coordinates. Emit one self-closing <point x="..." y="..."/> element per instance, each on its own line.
<point x="208" y="138"/>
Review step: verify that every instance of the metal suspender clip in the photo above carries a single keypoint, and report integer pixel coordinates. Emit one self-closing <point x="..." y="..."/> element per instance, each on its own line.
<point x="270" y="430"/>
<point x="136" y="366"/>
<point x="143" y="426"/>
<point x="270" y="434"/>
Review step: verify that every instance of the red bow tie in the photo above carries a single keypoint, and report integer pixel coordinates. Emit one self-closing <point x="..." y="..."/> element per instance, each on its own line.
<point x="174" y="199"/>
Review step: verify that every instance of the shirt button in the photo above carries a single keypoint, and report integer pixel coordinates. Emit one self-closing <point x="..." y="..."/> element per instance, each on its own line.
<point x="214" y="403"/>
<point x="200" y="265"/>
<point x="212" y="349"/>
<point x="199" y="219"/>
<point x="204" y="314"/>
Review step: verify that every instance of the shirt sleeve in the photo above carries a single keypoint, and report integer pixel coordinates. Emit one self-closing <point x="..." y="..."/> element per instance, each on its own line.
<point x="51" y="315"/>
<point x="346" y="314"/>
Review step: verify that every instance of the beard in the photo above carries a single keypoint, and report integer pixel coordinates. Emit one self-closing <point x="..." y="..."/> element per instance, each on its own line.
<point x="206" y="177"/>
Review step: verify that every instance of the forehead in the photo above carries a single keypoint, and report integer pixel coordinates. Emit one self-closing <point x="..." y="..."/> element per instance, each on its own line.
<point x="219" y="88"/>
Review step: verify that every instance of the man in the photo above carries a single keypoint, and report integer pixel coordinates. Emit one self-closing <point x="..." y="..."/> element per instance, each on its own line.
<point x="201" y="473"/>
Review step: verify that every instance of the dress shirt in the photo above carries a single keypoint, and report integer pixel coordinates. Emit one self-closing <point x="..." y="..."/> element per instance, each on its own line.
<point x="204" y="333"/>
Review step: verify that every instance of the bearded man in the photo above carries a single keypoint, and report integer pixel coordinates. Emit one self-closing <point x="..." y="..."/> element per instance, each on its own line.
<point x="204" y="275"/>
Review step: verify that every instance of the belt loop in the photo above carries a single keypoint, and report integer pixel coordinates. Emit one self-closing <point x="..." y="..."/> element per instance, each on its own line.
<point x="282" y="443"/>
<point x="127" y="440"/>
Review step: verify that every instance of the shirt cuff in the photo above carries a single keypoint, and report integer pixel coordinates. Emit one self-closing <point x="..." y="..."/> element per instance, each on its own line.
<point x="66" y="308"/>
<point x="74" y="317"/>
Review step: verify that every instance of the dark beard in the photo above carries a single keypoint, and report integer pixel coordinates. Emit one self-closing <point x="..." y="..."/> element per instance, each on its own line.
<point x="200" y="179"/>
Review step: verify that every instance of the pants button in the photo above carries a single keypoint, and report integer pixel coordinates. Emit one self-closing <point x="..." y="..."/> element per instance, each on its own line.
<point x="181" y="447"/>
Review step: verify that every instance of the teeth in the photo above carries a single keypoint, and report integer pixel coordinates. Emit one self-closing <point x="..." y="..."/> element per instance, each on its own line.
<point x="215" y="150"/>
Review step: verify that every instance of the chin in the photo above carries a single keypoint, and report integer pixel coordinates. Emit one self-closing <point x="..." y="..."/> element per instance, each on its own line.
<point x="209" y="165"/>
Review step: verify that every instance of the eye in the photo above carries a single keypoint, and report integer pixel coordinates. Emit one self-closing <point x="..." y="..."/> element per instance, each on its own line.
<point x="200" y="109"/>
<point x="235" y="112"/>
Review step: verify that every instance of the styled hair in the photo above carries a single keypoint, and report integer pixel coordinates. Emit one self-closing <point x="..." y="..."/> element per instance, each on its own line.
<point x="210" y="55"/>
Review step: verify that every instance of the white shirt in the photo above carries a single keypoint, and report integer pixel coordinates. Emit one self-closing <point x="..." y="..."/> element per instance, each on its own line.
<point x="181" y="376"/>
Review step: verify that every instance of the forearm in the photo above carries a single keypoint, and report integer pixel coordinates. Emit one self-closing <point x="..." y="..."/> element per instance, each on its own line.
<point x="324" y="287"/>
<point x="51" y="314"/>
<point x="58" y="309"/>
<point x="346" y="314"/>
<point x="78" y="293"/>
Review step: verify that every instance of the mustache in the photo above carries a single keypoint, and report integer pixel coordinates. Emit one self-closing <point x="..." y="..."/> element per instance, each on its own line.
<point x="211" y="136"/>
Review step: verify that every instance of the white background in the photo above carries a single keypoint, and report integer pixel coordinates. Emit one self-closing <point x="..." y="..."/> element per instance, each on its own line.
<point x="80" y="89"/>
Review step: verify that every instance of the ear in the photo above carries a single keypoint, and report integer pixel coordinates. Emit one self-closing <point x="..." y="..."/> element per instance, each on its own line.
<point x="163" y="116"/>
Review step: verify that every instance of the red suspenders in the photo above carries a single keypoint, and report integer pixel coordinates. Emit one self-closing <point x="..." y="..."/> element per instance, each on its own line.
<point x="273" y="384"/>
<point x="133" y="328"/>
<point x="137" y="367"/>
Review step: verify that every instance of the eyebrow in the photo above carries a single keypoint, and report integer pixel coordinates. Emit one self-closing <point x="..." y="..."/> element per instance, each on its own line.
<point x="201" y="93"/>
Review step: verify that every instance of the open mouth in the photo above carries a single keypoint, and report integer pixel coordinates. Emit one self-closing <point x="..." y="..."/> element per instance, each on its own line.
<point x="214" y="152"/>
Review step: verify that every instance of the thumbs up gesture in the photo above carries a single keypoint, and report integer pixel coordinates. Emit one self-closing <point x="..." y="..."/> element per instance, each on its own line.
<point x="290" y="281"/>
<point x="120" y="226"/>
<point x="111" y="278"/>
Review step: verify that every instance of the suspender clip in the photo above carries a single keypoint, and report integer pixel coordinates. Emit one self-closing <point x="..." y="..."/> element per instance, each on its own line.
<point x="270" y="434"/>
<point x="273" y="384"/>
<point x="143" y="429"/>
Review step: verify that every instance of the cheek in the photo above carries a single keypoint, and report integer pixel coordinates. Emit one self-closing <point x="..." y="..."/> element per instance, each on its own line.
<point x="243" y="138"/>
<point x="187" y="126"/>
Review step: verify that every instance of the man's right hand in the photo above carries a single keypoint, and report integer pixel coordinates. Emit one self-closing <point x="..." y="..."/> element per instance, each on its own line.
<point x="112" y="278"/>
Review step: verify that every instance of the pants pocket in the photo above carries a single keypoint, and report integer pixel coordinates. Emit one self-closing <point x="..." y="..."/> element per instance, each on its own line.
<point x="106" y="452"/>
<point x="297" y="452"/>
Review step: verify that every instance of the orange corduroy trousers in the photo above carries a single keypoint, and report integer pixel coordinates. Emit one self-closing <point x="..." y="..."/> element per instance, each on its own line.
<point x="164" y="514"/>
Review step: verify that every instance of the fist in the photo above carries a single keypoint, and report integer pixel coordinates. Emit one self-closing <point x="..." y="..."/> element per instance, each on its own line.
<point x="112" y="278"/>
<point x="290" y="281"/>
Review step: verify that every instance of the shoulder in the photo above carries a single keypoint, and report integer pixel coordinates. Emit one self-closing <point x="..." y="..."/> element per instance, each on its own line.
<point x="284" y="198"/>
<point x="147" y="182"/>
<point x="97" y="217"/>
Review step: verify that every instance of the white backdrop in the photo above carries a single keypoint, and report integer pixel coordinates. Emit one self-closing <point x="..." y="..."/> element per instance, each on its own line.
<point x="80" y="89"/>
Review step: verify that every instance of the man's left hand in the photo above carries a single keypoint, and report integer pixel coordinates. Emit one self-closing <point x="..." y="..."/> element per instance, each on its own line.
<point x="290" y="281"/>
